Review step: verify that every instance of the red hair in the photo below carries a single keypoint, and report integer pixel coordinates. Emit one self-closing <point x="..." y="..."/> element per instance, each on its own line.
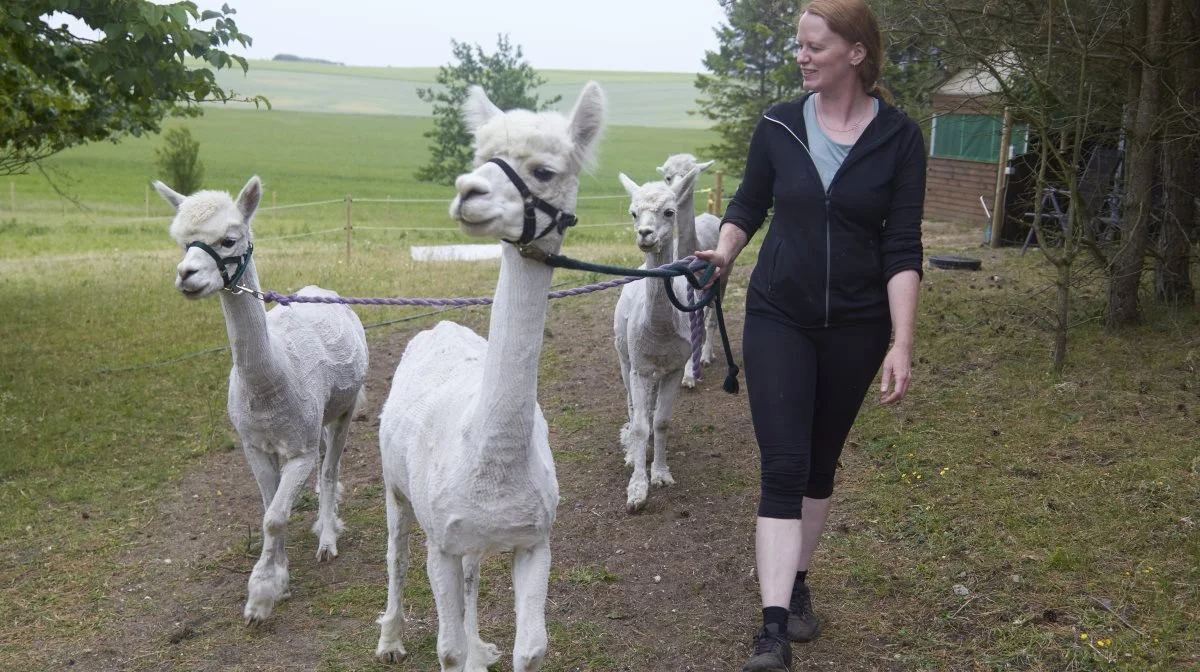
<point x="854" y="21"/>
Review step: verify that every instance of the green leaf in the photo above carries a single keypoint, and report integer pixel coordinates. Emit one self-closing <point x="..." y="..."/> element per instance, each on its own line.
<point x="209" y="14"/>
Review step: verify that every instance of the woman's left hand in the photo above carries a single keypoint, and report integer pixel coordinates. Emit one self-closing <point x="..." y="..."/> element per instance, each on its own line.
<point x="897" y="372"/>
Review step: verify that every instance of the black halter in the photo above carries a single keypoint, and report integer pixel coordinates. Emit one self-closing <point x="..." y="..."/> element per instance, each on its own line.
<point x="559" y="220"/>
<point x="241" y="260"/>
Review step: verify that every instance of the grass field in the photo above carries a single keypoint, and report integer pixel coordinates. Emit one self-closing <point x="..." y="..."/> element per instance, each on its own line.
<point x="302" y="157"/>
<point x="1065" y="506"/>
<point x="635" y="98"/>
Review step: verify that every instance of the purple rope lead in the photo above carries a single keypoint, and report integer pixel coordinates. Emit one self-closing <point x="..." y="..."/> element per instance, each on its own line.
<point x="696" y="318"/>
<point x="287" y="299"/>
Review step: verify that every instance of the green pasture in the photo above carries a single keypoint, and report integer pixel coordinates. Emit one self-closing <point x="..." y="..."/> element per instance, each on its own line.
<point x="302" y="158"/>
<point x="660" y="99"/>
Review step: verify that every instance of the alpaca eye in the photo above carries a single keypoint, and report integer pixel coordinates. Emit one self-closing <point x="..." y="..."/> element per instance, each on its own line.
<point x="633" y="215"/>
<point x="543" y="174"/>
<point x="669" y="212"/>
<point x="227" y="242"/>
<point x="668" y="179"/>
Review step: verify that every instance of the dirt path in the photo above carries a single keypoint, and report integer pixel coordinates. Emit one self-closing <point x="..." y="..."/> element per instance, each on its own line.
<point x="669" y="589"/>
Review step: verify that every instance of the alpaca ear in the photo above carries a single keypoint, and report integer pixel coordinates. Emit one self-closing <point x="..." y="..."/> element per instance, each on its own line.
<point x="662" y="170"/>
<point x="247" y="201"/>
<point x="587" y="121"/>
<point x="706" y="165"/>
<point x="478" y="109"/>
<point x="169" y="195"/>
<point x="685" y="182"/>
<point x="630" y="186"/>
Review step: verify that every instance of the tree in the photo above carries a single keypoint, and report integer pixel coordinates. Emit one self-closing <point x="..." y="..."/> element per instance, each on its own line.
<point x="753" y="68"/>
<point x="510" y="83"/>
<point x="58" y="90"/>
<point x="179" y="161"/>
<point x="1172" y="270"/>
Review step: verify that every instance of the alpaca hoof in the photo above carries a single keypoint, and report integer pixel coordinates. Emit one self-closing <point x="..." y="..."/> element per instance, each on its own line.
<point x="390" y="653"/>
<point x="661" y="477"/>
<point x="634" y="506"/>
<point x="327" y="552"/>
<point x="689" y="383"/>
<point x="256" y="614"/>
<point x="706" y="359"/>
<point x="482" y="655"/>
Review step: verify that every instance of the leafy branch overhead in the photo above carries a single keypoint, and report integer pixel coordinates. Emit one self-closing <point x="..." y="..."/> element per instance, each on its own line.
<point x="58" y="89"/>
<point x="510" y="83"/>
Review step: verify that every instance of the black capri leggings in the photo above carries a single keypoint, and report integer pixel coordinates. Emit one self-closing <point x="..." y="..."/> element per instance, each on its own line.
<point x="805" y="388"/>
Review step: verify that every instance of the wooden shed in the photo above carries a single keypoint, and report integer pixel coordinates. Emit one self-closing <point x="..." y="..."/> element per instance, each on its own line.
<point x="964" y="155"/>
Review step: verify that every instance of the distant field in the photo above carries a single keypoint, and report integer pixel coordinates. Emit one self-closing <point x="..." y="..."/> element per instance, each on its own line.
<point x="659" y="99"/>
<point x="302" y="157"/>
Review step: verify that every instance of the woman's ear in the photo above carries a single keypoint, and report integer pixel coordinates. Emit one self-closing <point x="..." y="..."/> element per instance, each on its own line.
<point x="858" y="53"/>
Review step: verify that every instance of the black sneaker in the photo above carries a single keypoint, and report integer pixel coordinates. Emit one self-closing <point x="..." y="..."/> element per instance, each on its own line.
<point x="771" y="652"/>
<point x="803" y="625"/>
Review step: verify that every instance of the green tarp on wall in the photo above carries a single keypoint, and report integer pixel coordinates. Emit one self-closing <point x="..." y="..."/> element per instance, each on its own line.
<point x="975" y="137"/>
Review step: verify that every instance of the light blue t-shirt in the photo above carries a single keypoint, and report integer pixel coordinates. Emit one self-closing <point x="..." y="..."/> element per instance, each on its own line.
<point x="827" y="154"/>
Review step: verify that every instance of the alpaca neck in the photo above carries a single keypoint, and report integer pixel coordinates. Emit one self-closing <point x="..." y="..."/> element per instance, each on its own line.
<point x="502" y="428"/>
<point x="246" y="323"/>
<point x="658" y="307"/>
<point x="686" y="243"/>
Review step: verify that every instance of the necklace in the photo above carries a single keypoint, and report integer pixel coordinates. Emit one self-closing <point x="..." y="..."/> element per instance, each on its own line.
<point x="820" y="117"/>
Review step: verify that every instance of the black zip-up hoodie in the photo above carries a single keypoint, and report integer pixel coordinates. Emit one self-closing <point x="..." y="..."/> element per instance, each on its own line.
<point x="828" y="255"/>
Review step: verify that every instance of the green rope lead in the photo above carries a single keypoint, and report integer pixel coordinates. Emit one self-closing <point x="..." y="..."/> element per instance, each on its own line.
<point x="684" y="267"/>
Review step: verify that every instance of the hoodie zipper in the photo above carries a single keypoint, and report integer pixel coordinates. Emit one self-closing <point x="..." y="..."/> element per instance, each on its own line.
<point x="829" y="198"/>
<point x="828" y="192"/>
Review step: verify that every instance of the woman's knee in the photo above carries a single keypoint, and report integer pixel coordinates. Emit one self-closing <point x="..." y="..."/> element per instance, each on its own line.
<point x="784" y="481"/>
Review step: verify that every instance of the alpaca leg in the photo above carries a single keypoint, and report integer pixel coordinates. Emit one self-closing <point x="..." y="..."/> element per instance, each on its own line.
<point x="664" y="408"/>
<point x="328" y="525"/>
<point x="391" y="623"/>
<point x="642" y="387"/>
<point x="446" y="579"/>
<point x="623" y="361"/>
<point x="269" y="579"/>
<point x="531" y="574"/>
<point x="480" y="654"/>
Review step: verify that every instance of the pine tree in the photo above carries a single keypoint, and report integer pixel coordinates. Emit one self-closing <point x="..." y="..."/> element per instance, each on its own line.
<point x="510" y="83"/>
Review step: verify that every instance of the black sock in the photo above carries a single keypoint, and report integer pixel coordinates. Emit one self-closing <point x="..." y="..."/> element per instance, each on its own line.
<point x="800" y="576"/>
<point x="775" y="616"/>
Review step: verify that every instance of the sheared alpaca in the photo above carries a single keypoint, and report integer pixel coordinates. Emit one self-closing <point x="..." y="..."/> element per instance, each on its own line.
<point x="696" y="232"/>
<point x="297" y="377"/>
<point x="464" y="444"/>
<point x="652" y="337"/>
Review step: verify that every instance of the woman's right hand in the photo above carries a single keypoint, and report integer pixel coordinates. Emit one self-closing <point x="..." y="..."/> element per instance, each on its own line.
<point x="716" y="258"/>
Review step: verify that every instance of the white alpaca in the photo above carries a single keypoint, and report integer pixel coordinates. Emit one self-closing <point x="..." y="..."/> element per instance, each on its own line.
<point x="696" y="232"/>
<point x="652" y="337"/>
<point x="464" y="445"/>
<point x="297" y="376"/>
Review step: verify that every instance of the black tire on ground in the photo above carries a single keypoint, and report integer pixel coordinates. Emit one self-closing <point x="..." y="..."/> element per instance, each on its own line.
<point x="955" y="262"/>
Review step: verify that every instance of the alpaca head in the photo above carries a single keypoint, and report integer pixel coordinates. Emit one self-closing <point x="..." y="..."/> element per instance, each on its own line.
<point x="218" y="222"/>
<point x="545" y="150"/>
<point x="678" y="165"/>
<point x="654" y="209"/>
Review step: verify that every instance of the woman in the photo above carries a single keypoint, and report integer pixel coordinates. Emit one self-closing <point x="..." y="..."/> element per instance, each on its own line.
<point x="838" y="274"/>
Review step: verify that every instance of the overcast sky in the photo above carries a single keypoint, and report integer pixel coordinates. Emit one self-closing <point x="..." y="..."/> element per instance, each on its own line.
<point x="649" y="35"/>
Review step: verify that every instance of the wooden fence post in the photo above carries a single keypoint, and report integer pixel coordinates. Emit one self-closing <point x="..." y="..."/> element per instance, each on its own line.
<point x="720" y="192"/>
<point x="997" y="224"/>
<point x="349" y="201"/>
